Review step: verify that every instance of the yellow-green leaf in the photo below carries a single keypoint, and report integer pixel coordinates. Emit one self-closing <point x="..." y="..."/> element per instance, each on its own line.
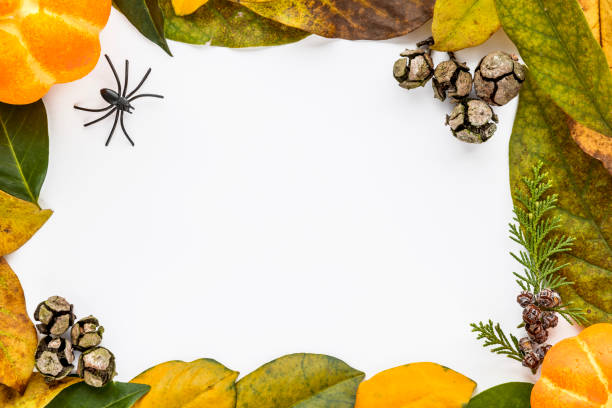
<point x="563" y="57"/>
<point x="226" y="24"/>
<point x="300" y="381"/>
<point x="350" y="19"/>
<point x="585" y="198"/>
<point x="418" y="385"/>
<point x="200" y="384"/>
<point x="18" y="338"/>
<point x="459" y="24"/>
<point x="37" y="394"/>
<point x="19" y="220"/>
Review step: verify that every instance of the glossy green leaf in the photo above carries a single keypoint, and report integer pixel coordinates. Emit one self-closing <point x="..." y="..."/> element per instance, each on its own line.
<point x="459" y="24"/>
<point x="24" y="149"/>
<point x="564" y="58"/>
<point x="114" y="395"/>
<point x="300" y="381"/>
<point x="147" y="17"/>
<point x="585" y="198"/>
<point x="508" y="395"/>
<point x="227" y="24"/>
<point x="349" y="19"/>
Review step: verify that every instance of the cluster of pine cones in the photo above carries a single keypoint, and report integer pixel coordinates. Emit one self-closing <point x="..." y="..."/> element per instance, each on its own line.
<point x="496" y="81"/>
<point x="538" y="318"/>
<point x="55" y="354"/>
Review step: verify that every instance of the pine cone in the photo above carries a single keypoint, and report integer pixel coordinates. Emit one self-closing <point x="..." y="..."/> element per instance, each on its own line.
<point x="55" y="315"/>
<point x="549" y="320"/>
<point x="531" y="360"/>
<point x="498" y="78"/>
<point x="548" y="298"/>
<point x="537" y="333"/>
<point x="525" y="345"/>
<point x="54" y="358"/>
<point x="414" y="69"/>
<point x="453" y="79"/>
<point x="541" y="351"/>
<point x="86" y="333"/>
<point x="525" y="298"/>
<point x="470" y="121"/>
<point x="532" y="314"/>
<point x="97" y="366"/>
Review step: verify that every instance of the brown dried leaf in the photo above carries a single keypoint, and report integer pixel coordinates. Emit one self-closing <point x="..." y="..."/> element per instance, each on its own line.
<point x="19" y="220"/>
<point x="598" y="14"/>
<point x="37" y="395"/>
<point x="17" y="333"/>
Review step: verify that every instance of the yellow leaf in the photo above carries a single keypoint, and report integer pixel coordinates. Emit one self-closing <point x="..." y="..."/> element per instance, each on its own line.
<point x="419" y="385"/>
<point x="19" y="220"/>
<point x="37" y="394"/>
<point x="200" y="384"/>
<point x="459" y="24"/>
<point x="598" y="14"/>
<point x="185" y="7"/>
<point x="18" y="338"/>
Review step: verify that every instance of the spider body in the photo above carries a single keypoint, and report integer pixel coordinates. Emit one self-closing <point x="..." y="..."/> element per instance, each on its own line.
<point x="118" y="101"/>
<point x="113" y="98"/>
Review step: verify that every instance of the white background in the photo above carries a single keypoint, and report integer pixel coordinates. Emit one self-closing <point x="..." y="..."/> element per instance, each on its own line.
<point x="279" y="200"/>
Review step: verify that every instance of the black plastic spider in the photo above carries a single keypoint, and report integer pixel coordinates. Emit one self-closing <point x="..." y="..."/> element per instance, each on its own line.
<point x="118" y="102"/>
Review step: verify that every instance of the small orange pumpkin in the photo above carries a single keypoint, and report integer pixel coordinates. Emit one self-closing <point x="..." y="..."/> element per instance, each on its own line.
<point x="45" y="42"/>
<point x="577" y="372"/>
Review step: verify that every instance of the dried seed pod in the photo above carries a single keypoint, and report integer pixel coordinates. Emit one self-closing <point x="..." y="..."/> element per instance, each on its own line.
<point x="498" y="78"/>
<point x="452" y="79"/>
<point x="525" y="345"/>
<point x="532" y="314"/>
<point x="537" y="333"/>
<point x="531" y="360"/>
<point x="542" y="350"/>
<point x="97" y="366"/>
<point x="414" y="69"/>
<point x="548" y="298"/>
<point x="525" y="298"/>
<point x="86" y="333"/>
<point x="54" y="358"/>
<point x="55" y="315"/>
<point x="470" y="121"/>
<point x="549" y="320"/>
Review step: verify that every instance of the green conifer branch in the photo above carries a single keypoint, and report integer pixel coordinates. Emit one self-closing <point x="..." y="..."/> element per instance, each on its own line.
<point x="494" y="336"/>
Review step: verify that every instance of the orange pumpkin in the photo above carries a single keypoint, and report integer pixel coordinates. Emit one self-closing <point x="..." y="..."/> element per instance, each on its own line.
<point x="577" y="372"/>
<point x="45" y="42"/>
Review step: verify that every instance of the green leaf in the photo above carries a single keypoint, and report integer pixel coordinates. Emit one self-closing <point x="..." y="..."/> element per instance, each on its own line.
<point x="459" y="24"/>
<point x="24" y="149"/>
<point x="300" y="381"/>
<point x="113" y="395"/>
<point x="585" y="203"/>
<point x="564" y="58"/>
<point x="508" y="395"/>
<point x="147" y="17"/>
<point x="227" y="24"/>
<point x="349" y="19"/>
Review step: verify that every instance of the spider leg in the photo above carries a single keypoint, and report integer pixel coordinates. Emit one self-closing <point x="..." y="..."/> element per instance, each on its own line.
<point x="93" y="110"/>
<point x="123" y="128"/>
<point x="114" y="73"/>
<point x="99" y="119"/>
<point x="113" y="129"/>
<point x="125" y="83"/>
<point x="146" y="95"/>
<point x="142" y="81"/>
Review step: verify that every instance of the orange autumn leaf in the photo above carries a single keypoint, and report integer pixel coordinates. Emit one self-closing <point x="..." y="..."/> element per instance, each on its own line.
<point x="577" y="372"/>
<point x="18" y="337"/>
<point x="598" y="14"/>
<point x="38" y="393"/>
<point x="46" y="42"/>
<point x="419" y="385"/>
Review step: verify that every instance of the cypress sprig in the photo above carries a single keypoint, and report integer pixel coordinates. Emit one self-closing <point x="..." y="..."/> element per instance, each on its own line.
<point x="494" y="336"/>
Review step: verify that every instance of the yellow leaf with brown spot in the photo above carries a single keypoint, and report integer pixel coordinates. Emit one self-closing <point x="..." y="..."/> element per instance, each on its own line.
<point x="200" y="384"/>
<point x="186" y="7"/>
<point x="19" y="220"/>
<point x="418" y="385"/>
<point x="598" y="14"/>
<point x="349" y="19"/>
<point x="18" y="338"/>
<point x="37" y="394"/>
<point x="459" y="24"/>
